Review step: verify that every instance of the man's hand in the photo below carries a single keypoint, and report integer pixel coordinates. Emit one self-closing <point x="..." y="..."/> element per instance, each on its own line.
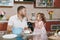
<point x="25" y="28"/>
<point x="9" y="29"/>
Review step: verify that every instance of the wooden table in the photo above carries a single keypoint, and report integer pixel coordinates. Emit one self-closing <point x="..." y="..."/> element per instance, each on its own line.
<point x="54" y="37"/>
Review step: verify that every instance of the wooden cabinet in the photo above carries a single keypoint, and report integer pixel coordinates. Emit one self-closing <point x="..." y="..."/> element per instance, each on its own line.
<point x="49" y="23"/>
<point x="3" y="26"/>
<point x="57" y="3"/>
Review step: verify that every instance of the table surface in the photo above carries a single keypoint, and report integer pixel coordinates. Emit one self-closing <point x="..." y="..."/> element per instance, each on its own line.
<point x="25" y="37"/>
<point x="54" y="37"/>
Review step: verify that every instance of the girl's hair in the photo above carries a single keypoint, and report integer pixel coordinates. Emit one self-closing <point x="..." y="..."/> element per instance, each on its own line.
<point x="42" y="16"/>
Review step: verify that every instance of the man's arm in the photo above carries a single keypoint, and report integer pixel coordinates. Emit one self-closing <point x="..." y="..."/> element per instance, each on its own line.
<point x="10" y="25"/>
<point x="9" y="29"/>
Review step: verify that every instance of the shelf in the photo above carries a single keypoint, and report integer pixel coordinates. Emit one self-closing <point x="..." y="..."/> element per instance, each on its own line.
<point x="25" y="2"/>
<point x="6" y="6"/>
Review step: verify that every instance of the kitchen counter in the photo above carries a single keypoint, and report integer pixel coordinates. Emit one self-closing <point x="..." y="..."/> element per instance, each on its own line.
<point x="25" y="37"/>
<point x="3" y="21"/>
<point x="52" y="20"/>
<point x="46" y="20"/>
<point x="54" y="37"/>
<point x="29" y="21"/>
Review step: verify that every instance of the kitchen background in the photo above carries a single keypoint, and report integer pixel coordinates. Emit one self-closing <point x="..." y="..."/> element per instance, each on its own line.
<point x="31" y="9"/>
<point x="51" y="25"/>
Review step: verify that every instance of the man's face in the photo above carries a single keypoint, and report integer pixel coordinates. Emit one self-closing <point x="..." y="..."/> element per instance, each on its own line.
<point x="22" y="12"/>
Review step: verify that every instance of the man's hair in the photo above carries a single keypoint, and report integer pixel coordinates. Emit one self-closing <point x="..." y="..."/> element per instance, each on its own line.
<point x="19" y="8"/>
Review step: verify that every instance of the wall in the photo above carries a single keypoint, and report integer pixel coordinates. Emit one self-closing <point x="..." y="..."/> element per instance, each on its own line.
<point x="31" y="9"/>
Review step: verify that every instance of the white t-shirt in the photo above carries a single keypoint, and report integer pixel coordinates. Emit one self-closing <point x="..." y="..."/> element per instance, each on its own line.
<point x="16" y="22"/>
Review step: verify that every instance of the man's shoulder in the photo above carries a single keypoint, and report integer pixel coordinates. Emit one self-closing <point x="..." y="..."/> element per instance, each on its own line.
<point x="13" y="17"/>
<point x="25" y="18"/>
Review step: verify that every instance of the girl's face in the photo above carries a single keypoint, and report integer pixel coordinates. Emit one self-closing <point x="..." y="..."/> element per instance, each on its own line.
<point x="38" y="17"/>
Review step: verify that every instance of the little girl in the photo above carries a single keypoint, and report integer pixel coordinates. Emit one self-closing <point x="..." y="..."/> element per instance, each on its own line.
<point x="39" y="30"/>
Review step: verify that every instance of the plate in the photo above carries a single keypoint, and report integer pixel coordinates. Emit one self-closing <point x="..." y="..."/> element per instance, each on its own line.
<point x="26" y="31"/>
<point x="9" y="36"/>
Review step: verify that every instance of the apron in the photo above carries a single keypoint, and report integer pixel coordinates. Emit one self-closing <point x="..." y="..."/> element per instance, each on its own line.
<point x="17" y="31"/>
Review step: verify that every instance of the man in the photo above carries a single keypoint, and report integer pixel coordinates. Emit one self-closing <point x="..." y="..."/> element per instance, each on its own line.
<point x="18" y="20"/>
